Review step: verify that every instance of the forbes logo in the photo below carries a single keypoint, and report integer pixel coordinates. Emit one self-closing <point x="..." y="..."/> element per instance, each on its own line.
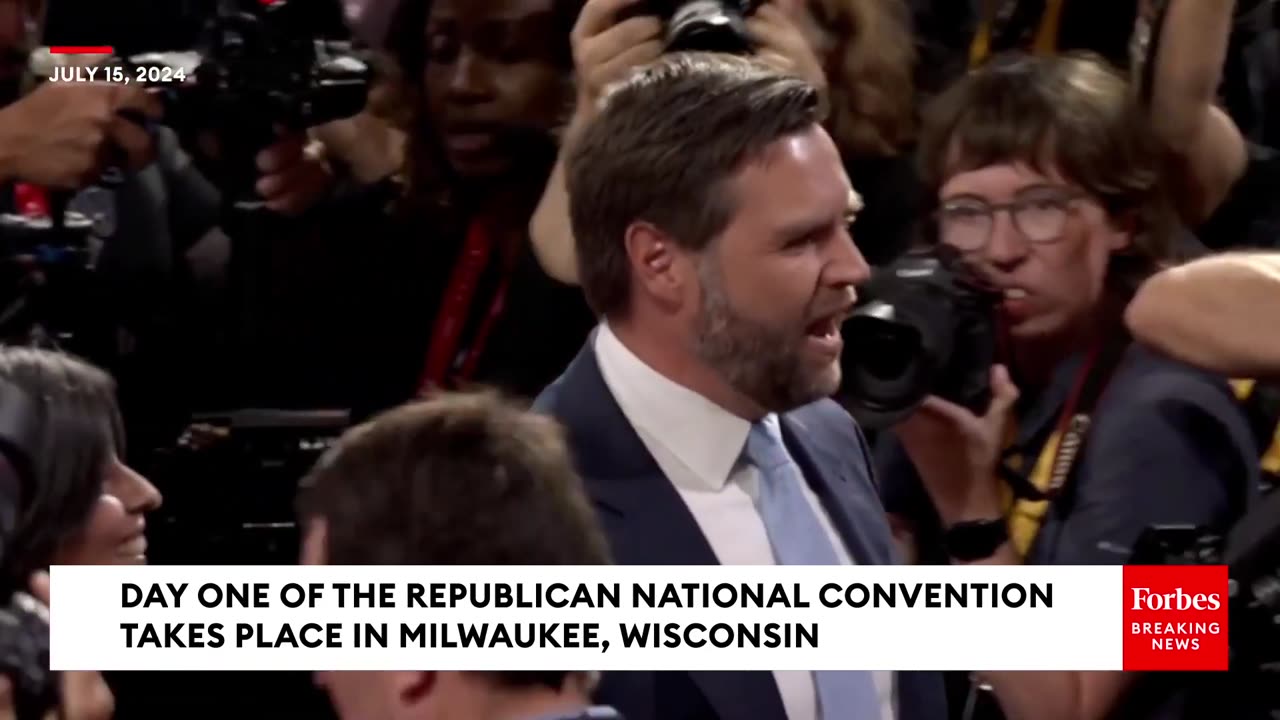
<point x="1175" y="618"/>
<point x="1145" y="599"/>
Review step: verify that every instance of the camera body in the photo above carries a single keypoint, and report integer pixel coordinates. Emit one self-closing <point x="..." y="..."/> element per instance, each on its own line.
<point x="258" y="66"/>
<point x="702" y="25"/>
<point x="1251" y="551"/>
<point x="928" y="328"/>
<point x="254" y="458"/>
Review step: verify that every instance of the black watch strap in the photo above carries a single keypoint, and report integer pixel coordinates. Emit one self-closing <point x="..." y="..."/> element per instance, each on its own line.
<point x="975" y="539"/>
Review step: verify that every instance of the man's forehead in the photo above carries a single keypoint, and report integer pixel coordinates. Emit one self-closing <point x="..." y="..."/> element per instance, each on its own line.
<point x="797" y="170"/>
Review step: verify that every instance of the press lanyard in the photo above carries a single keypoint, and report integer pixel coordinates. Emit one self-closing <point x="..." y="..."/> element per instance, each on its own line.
<point x="1058" y="456"/>
<point x="443" y="365"/>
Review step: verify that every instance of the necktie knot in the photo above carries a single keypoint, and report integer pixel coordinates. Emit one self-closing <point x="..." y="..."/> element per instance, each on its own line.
<point x="764" y="447"/>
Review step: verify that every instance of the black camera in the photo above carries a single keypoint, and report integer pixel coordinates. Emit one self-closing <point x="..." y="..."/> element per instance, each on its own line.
<point x="1251" y="551"/>
<point x="46" y="280"/>
<point x="254" y="458"/>
<point x="928" y="327"/>
<point x="703" y="25"/>
<point x="258" y="66"/>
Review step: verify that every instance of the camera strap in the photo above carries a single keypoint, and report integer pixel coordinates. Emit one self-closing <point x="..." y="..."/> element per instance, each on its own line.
<point x="1058" y="456"/>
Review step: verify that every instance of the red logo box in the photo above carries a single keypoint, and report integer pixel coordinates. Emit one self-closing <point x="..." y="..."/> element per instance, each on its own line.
<point x="1175" y="618"/>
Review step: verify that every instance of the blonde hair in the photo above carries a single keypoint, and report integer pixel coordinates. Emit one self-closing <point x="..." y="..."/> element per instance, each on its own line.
<point x="869" y="55"/>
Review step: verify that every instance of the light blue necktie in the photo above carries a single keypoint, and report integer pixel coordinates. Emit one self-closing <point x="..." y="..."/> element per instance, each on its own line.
<point x="798" y="539"/>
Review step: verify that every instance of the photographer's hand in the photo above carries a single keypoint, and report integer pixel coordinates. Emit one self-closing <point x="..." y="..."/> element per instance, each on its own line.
<point x="58" y="135"/>
<point x="83" y="696"/>
<point x="295" y="176"/>
<point x="134" y="104"/>
<point x="956" y="452"/>
<point x="776" y="27"/>
<point x="604" y="50"/>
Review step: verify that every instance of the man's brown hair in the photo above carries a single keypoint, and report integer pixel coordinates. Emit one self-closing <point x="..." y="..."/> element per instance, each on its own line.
<point x="461" y="479"/>
<point x="1071" y="113"/>
<point x="663" y="147"/>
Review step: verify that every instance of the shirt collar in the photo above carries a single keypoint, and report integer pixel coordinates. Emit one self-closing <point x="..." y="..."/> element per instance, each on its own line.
<point x="704" y="438"/>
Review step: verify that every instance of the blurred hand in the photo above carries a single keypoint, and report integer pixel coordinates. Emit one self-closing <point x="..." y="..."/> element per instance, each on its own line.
<point x="294" y="175"/>
<point x="776" y="26"/>
<point x="370" y="147"/>
<point x="62" y="135"/>
<point x="956" y="452"/>
<point x="83" y="695"/>
<point x="604" y="50"/>
<point x="129" y="137"/>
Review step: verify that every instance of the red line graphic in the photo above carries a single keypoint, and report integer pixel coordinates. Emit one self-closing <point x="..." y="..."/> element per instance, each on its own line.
<point x="82" y="50"/>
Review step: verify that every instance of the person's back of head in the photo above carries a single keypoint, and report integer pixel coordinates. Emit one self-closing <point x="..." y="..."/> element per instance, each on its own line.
<point x="461" y="479"/>
<point x="711" y="212"/>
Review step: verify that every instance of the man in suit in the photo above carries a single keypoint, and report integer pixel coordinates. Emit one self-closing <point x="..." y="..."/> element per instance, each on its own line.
<point x="712" y="212"/>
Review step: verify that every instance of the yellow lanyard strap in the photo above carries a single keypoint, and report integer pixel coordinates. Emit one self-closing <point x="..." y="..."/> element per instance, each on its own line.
<point x="1044" y="43"/>
<point x="1271" y="454"/>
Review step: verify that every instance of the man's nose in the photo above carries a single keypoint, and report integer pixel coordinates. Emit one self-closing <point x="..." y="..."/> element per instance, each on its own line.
<point x="1006" y="248"/>
<point x="846" y="267"/>
<point x="470" y="80"/>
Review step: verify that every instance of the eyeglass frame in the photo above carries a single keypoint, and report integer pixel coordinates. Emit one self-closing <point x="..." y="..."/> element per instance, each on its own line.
<point x="1067" y="196"/>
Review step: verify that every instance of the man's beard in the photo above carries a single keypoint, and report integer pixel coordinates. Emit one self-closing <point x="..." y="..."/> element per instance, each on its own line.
<point x="763" y="363"/>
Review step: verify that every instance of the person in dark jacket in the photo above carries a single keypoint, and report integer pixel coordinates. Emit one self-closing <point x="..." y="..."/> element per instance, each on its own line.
<point x="1098" y="438"/>
<point x="425" y="280"/>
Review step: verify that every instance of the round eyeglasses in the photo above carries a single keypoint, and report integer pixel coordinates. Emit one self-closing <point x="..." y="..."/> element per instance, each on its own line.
<point x="1040" y="215"/>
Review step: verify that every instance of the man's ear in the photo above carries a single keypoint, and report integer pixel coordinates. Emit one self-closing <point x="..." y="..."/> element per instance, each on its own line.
<point x="660" y="268"/>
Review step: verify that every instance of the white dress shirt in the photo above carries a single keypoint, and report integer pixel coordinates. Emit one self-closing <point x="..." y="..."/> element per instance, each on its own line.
<point x="698" y="445"/>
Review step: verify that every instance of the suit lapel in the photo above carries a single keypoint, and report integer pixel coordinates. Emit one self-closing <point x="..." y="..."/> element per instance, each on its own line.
<point x="828" y="473"/>
<point x="646" y="520"/>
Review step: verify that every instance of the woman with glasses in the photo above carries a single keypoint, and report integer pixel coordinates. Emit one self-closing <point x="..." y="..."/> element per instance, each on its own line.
<point x="1048" y="183"/>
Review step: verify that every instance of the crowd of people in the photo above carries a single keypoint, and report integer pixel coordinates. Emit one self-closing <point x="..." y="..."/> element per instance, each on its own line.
<point x="582" y="297"/>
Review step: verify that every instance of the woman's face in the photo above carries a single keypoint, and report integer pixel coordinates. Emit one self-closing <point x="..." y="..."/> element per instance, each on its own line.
<point x="492" y="79"/>
<point x="115" y="531"/>
<point x="1045" y="245"/>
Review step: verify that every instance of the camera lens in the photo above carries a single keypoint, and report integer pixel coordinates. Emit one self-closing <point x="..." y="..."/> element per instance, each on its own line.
<point x="708" y="25"/>
<point x="891" y="352"/>
<point x="884" y="373"/>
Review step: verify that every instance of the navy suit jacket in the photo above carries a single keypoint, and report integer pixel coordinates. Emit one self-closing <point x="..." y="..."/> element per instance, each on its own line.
<point x="647" y="523"/>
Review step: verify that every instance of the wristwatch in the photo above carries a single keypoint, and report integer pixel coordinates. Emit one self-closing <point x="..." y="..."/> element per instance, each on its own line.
<point x="975" y="539"/>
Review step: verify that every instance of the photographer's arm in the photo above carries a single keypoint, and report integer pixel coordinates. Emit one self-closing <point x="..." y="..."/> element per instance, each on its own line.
<point x="1188" y="70"/>
<point x="549" y="228"/>
<point x="1213" y="313"/>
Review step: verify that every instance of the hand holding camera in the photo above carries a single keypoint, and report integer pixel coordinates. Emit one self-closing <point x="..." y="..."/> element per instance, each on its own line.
<point x="604" y="49"/>
<point x="613" y="36"/>
<point x="775" y="26"/>
<point x="956" y="452"/>
<point x="295" y="176"/>
<point x="62" y="136"/>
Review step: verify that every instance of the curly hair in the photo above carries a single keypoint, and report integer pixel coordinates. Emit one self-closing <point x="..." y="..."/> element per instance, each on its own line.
<point x="869" y="56"/>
